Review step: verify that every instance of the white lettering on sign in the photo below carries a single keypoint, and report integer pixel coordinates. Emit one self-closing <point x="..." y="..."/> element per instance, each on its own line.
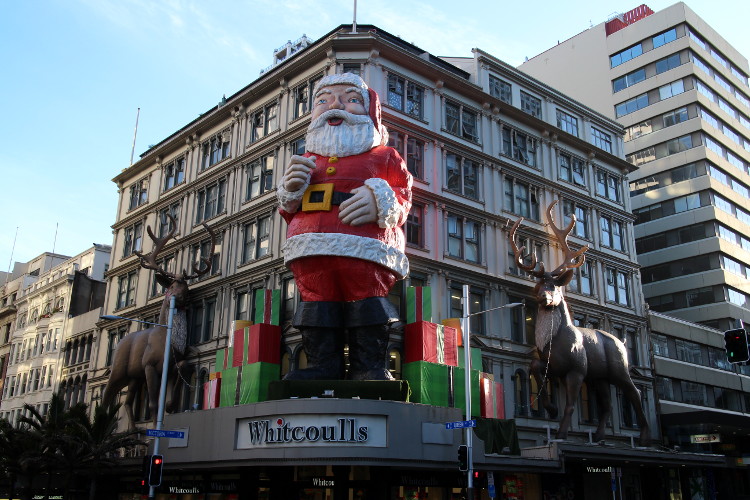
<point x="183" y="491"/>
<point x="312" y="430"/>
<point x="328" y="483"/>
<point x="705" y="438"/>
<point x="600" y="470"/>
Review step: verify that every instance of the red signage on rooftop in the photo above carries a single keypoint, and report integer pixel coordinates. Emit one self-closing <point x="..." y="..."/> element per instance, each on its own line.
<point x="626" y="19"/>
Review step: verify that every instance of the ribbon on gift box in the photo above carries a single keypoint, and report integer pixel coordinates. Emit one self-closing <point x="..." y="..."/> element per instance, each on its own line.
<point x="224" y="358"/>
<point x="268" y="307"/>
<point x="418" y="304"/>
<point x="425" y="341"/>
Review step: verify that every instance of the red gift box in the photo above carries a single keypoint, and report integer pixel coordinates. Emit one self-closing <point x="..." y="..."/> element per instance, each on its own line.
<point x="425" y="341"/>
<point x="211" y="393"/>
<point x="491" y="398"/>
<point x="260" y="342"/>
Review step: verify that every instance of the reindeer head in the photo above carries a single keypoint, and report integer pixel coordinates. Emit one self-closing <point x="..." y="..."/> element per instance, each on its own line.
<point x="176" y="285"/>
<point x="550" y="285"/>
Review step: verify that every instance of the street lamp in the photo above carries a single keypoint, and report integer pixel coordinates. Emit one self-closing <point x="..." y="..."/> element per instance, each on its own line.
<point x="164" y="372"/>
<point x="467" y="379"/>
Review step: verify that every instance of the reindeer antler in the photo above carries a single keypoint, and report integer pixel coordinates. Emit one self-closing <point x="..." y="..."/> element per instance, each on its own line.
<point x="518" y="253"/>
<point x="571" y="259"/>
<point x="199" y="269"/>
<point x="148" y="261"/>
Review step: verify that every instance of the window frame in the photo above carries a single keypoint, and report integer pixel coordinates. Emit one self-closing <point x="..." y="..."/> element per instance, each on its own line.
<point x="567" y="122"/>
<point x="526" y="152"/>
<point x="411" y="150"/>
<point x="254" y="244"/>
<point x="174" y="173"/>
<point x="461" y="171"/>
<point x="459" y="235"/>
<point x="203" y="212"/>
<point x="411" y="96"/>
<point x="264" y="178"/>
<point x="501" y="89"/>
<point x="457" y="125"/>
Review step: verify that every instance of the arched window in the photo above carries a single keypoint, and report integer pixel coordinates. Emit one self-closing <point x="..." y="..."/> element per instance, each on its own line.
<point x="90" y="341"/>
<point x="82" y="392"/>
<point x="34" y="316"/>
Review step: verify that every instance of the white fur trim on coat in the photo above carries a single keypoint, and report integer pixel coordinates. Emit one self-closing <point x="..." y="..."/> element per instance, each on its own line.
<point x="346" y="245"/>
<point x="290" y="201"/>
<point x="390" y="211"/>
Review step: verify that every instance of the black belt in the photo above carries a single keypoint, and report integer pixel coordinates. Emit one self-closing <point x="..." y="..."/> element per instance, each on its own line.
<point x="321" y="197"/>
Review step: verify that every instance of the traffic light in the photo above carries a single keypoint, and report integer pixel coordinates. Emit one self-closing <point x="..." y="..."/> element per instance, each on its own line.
<point x="463" y="458"/>
<point x="736" y="345"/>
<point x="154" y="470"/>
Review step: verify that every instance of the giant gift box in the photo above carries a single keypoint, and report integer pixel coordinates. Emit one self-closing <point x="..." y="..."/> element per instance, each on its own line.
<point x="268" y="307"/>
<point x="458" y="389"/>
<point x="476" y="358"/>
<point x="425" y="341"/>
<point x="257" y="343"/>
<point x="255" y="380"/>
<point x="418" y="304"/>
<point x="429" y="382"/>
<point x="491" y="397"/>
<point x="211" y="391"/>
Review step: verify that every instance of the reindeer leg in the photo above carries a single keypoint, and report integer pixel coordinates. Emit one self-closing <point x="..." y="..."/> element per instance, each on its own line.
<point x="176" y="383"/>
<point x="537" y="368"/>
<point x="153" y="386"/>
<point x="133" y="386"/>
<point x="573" y="381"/>
<point x="631" y="392"/>
<point x="604" y="404"/>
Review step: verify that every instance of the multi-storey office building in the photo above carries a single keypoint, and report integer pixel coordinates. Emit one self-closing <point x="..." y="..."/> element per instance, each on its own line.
<point x="54" y="330"/>
<point x="486" y="146"/>
<point x="681" y="91"/>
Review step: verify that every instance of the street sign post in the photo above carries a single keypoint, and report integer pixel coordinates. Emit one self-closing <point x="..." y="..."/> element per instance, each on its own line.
<point x="165" y="434"/>
<point x="461" y="424"/>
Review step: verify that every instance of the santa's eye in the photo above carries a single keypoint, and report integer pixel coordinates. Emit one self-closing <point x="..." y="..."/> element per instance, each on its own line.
<point x="322" y="100"/>
<point x="354" y="100"/>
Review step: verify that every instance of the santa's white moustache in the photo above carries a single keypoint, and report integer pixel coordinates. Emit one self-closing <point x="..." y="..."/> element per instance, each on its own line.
<point x="349" y="118"/>
<point x="355" y="135"/>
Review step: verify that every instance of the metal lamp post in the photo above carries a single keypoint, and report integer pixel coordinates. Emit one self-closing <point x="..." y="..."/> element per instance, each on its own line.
<point x="467" y="380"/>
<point x="164" y="372"/>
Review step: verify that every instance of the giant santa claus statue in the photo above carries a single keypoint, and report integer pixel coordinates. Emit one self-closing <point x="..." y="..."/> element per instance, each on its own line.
<point x="345" y="201"/>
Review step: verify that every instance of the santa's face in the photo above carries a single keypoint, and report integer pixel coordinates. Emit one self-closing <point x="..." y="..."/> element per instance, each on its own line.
<point x="340" y="125"/>
<point x="343" y="97"/>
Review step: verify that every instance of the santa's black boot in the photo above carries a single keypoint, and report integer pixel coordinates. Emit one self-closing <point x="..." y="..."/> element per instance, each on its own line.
<point x="367" y="321"/>
<point x="322" y="339"/>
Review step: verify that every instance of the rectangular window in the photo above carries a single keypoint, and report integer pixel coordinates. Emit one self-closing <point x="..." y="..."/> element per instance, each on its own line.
<point x="572" y="169"/>
<point x="411" y="150"/>
<point x="582" y="281"/>
<point x="138" y="194"/>
<point x="167" y="263"/>
<point x="631" y="105"/>
<point x="164" y="222"/>
<point x="406" y="96"/>
<point x="671" y="89"/>
<point x="612" y="233"/>
<point x="256" y="238"/>
<point x="664" y="38"/>
<point x="628" y="80"/>
<point x="133" y="239"/>
<point x="581" y="212"/>
<point x="263" y="121"/>
<point x="521" y="199"/>
<point x="415" y="225"/>
<point x="667" y="63"/>
<point x="618" y="286"/>
<point x="679" y="144"/>
<point x="607" y="185"/>
<point x="174" y="173"/>
<point x="518" y="145"/>
<point x="602" y="140"/>
<point x="625" y="55"/>
<point x="675" y="117"/>
<point x="211" y="201"/>
<point x="531" y="104"/>
<point x="126" y="287"/>
<point x="199" y="253"/>
<point x="476" y="304"/>
<point x="568" y="123"/>
<point x="462" y="175"/>
<point x="464" y="238"/>
<point x="214" y="150"/>
<point x="461" y="121"/>
<point x="302" y="95"/>
<point x="500" y="89"/>
<point x="259" y="176"/>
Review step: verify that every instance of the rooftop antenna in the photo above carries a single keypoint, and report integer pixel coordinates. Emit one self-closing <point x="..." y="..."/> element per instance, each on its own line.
<point x="135" y="133"/>
<point x="354" y="22"/>
<point x="12" y="250"/>
<point x="54" y="242"/>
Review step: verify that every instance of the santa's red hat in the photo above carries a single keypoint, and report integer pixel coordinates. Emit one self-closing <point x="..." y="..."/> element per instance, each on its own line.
<point x="370" y="98"/>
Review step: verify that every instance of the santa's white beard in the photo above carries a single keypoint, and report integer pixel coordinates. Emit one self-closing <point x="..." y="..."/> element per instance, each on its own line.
<point x="356" y="135"/>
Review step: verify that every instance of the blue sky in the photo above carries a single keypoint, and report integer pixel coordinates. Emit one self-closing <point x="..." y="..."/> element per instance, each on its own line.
<point x="74" y="73"/>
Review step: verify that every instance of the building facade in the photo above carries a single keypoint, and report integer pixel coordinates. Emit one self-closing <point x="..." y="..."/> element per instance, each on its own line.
<point x="486" y="145"/>
<point x="50" y="341"/>
<point x="681" y="91"/>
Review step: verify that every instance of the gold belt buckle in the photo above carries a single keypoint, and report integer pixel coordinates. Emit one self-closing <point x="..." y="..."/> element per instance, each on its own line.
<point x="318" y="197"/>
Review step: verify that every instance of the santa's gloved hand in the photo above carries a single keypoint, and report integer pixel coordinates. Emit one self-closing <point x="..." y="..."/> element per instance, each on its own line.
<point x="297" y="173"/>
<point x="360" y="208"/>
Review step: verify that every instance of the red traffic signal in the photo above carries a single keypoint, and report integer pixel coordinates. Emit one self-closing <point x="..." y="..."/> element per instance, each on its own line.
<point x="736" y="345"/>
<point x="154" y="470"/>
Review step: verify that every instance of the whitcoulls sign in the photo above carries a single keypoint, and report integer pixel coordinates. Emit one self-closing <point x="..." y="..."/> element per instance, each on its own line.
<point x="312" y="430"/>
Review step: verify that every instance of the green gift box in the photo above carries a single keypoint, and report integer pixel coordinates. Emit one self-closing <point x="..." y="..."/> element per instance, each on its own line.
<point x="228" y="387"/>
<point x="476" y="358"/>
<point x="255" y="380"/>
<point x="224" y="358"/>
<point x="459" y="389"/>
<point x="429" y="382"/>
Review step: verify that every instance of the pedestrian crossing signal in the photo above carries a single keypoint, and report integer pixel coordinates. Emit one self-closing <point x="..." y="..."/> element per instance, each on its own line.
<point x="736" y="345"/>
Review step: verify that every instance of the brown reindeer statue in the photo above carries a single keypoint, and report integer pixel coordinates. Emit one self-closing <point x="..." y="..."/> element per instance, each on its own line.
<point x="139" y="356"/>
<point x="571" y="354"/>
